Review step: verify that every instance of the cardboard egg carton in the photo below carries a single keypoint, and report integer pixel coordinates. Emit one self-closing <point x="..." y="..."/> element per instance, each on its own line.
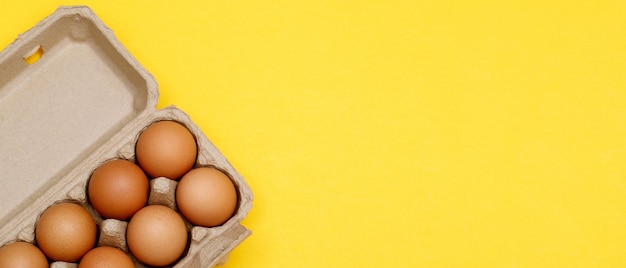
<point x="71" y="98"/>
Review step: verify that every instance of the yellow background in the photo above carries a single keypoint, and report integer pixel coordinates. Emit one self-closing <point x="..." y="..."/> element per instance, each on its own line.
<point x="399" y="133"/>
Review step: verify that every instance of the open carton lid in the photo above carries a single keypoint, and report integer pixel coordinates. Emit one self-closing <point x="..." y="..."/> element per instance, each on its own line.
<point x="67" y="86"/>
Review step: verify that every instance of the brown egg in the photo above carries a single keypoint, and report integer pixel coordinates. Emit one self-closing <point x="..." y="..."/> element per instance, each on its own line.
<point x="106" y="257"/>
<point x="65" y="232"/>
<point x="166" y="149"/>
<point x="22" y="255"/>
<point x="206" y="197"/>
<point x="117" y="189"/>
<point x="156" y="235"/>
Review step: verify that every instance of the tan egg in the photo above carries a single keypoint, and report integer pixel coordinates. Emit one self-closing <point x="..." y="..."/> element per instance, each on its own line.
<point x="65" y="232"/>
<point x="166" y="149"/>
<point x="22" y="255"/>
<point x="106" y="257"/>
<point x="206" y="197"/>
<point x="117" y="189"/>
<point x="156" y="235"/>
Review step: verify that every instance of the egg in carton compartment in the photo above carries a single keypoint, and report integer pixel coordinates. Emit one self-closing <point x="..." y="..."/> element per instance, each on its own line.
<point x="71" y="98"/>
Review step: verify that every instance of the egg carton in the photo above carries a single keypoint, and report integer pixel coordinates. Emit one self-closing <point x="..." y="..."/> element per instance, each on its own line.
<point x="72" y="98"/>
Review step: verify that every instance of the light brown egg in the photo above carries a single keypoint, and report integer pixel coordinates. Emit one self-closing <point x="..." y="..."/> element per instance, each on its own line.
<point x="117" y="189"/>
<point x="22" y="255"/>
<point x="65" y="232"/>
<point x="166" y="149"/>
<point x="106" y="257"/>
<point x="156" y="235"/>
<point x="206" y="197"/>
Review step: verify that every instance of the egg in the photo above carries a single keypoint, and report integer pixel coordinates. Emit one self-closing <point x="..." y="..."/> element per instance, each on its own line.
<point x="106" y="257"/>
<point x="156" y="235"/>
<point x="65" y="232"/>
<point x="206" y="197"/>
<point x="117" y="189"/>
<point x="22" y="255"/>
<point x="166" y="149"/>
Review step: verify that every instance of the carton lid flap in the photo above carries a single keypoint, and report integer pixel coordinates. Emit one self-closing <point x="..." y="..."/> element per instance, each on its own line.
<point x="66" y="86"/>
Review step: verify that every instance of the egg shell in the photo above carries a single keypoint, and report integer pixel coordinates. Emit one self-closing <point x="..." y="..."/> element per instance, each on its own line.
<point x="166" y="149"/>
<point x="206" y="197"/>
<point x="117" y="189"/>
<point x="106" y="257"/>
<point x="65" y="232"/>
<point x="157" y="235"/>
<point x="22" y="255"/>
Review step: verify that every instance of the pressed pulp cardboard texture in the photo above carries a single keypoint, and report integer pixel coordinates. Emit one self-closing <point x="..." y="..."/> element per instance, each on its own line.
<point x="71" y="97"/>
